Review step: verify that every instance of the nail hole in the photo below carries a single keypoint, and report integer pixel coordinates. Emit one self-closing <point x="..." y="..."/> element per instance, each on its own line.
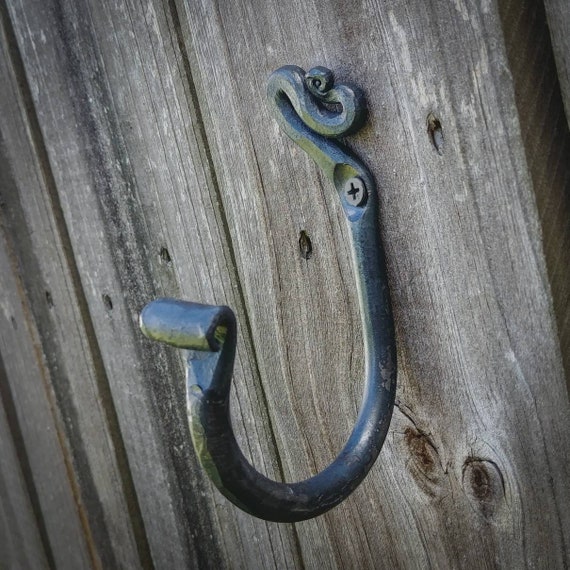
<point x="305" y="245"/>
<point x="14" y="323"/>
<point x="107" y="302"/>
<point x="165" y="255"/>
<point x="435" y="132"/>
<point x="49" y="300"/>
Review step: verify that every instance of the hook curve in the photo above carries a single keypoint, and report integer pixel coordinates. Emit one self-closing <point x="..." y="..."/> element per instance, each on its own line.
<point x="302" y="106"/>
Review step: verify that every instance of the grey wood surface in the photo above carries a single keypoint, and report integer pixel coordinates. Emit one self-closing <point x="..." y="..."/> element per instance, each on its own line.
<point x="32" y="222"/>
<point x="471" y="296"/>
<point x="145" y="162"/>
<point x="104" y="67"/>
<point x="20" y="536"/>
<point x="546" y="139"/>
<point x="47" y="463"/>
<point x="558" y="14"/>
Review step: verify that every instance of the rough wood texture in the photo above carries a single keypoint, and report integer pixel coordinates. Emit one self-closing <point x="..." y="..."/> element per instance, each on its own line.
<point x="170" y="177"/>
<point x="546" y="139"/>
<point x="558" y="14"/>
<point x="476" y="336"/>
<point x="131" y="214"/>
<point x="31" y="218"/>
<point x="18" y="521"/>
<point x="25" y="391"/>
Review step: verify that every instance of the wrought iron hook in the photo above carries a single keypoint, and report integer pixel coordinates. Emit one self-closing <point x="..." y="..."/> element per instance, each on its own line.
<point x="301" y="103"/>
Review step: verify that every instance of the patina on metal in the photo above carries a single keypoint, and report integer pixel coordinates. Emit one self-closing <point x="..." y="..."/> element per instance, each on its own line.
<point x="313" y="112"/>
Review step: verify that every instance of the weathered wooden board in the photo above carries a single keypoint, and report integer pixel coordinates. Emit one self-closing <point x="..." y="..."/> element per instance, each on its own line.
<point x="478" y="446"/>
<point x="115" y="109"/>
<point x="546" y="139"/>
<point x="20" y="536"/>
<point x="31" y="218"/>
<point x="26" y="392"/>
<point x="558" y="14"/>
<point x="168" y="176"/>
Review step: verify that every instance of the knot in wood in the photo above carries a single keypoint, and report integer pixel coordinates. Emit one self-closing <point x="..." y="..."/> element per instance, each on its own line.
<point x="484" y="485"/>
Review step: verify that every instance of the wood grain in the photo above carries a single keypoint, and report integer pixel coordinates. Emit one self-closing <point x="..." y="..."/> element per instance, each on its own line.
<point x="115" y="111"/>
<point x="26" y="391"/>
<point x="546" y="139"/>
<point x="31" y="218"/>
<point x="19" y="523"/>
<point x="558" y="16"/>
<point x="454" y="486"/>
<point x="170" y="177"/>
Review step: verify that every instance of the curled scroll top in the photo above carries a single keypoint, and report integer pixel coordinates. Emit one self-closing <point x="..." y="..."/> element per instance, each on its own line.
<point x="312" y="95"/>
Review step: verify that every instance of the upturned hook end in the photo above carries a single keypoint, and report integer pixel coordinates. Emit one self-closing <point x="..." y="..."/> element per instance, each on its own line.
<point x="183" y="324"/>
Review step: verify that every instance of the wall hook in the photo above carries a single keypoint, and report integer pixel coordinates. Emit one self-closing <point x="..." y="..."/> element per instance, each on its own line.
<point x="306" y="107"/>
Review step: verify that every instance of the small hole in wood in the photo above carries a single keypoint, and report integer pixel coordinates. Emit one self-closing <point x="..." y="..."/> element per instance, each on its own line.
<point x="165" y="255"/>
<point x="435" y="132"/>
<point x="305" y="245"/>
<point x="107" y="302"/>
<point x="49" y="300"/>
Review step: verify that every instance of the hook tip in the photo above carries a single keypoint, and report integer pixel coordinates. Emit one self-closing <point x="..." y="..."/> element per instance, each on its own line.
<point x="186" y="325"/>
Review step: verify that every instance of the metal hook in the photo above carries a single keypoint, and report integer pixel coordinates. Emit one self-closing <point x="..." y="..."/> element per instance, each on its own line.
<point x="302" y="105"/>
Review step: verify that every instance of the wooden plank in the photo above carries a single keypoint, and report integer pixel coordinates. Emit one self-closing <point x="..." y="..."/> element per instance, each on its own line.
<point x="546" y="139"/>
<point x="115" y="109"/>
<point x="49" y="464"/>
<point x="558" y="16"/>
<point x="32" y="220"/>
<point x="18" y="523"/>
<point x="478" y="446"/>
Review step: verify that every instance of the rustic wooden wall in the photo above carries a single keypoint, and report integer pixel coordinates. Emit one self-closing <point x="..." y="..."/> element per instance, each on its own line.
<point x="138" y="158"/>
<point x="546" y="139"/>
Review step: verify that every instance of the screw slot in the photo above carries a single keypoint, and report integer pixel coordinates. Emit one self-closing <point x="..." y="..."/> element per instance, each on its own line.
<point x="355" y="191"/>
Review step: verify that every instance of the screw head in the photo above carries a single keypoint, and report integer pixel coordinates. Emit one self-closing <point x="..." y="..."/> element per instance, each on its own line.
<point x="355" y="191"/>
